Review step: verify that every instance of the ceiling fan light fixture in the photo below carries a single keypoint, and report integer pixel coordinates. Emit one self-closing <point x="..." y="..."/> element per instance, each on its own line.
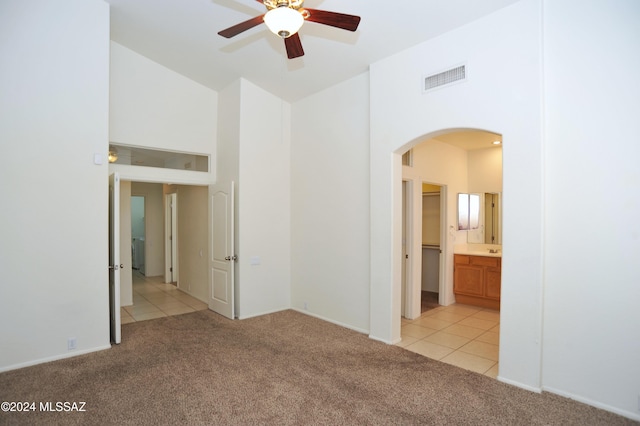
<point x="283" y="21"/>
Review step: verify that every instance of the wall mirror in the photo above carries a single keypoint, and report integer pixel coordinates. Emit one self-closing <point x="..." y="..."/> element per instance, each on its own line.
<point x="480" y="214"/>
<point x="468" y="211"/>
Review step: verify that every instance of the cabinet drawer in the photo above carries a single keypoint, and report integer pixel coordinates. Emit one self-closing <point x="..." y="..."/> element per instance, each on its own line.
<point x="461" y="259"/>
<point x="485" y="261"/>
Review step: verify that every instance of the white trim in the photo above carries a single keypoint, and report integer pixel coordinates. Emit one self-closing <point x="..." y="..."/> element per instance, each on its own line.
<point x="157" y="175"/>
<point x="392" y="342"/>
<point x="593" y="403"/>
<point x="71" y="354"/>
<point x="519" y="385"/>
<point x="350" y="327"/>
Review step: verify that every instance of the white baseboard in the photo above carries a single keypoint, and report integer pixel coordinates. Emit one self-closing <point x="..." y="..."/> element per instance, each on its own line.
<point x="519" y="385"/>
<point x="606" y="407"/>
<point x="259" y="314"/>
<point x="70" y="354"/>
<point x="393" y="342"/>
<point x="350" y="327"/>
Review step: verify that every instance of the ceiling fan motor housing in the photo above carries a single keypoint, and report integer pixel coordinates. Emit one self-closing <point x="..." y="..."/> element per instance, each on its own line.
<point x="291" y="4"/>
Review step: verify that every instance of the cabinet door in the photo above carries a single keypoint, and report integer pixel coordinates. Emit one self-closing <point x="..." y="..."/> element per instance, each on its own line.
<point x="468" y="279"/>
<point x="493" y="283"/>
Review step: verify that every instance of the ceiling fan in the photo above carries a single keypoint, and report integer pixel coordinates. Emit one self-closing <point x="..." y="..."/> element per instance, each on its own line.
<point x="285" y="17"/>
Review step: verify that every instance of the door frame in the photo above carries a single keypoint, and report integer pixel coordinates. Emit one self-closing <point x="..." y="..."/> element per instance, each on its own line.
<point x="412" y="286"/>
<point x="114" y="265"/>
<point x="171" y="238"/>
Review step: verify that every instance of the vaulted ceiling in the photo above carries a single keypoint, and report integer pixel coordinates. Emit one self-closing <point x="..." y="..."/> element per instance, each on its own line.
<point x="183" y="36"/>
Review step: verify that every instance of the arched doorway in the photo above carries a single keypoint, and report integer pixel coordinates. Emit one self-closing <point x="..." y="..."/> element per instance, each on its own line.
<point x="460" y="161"/>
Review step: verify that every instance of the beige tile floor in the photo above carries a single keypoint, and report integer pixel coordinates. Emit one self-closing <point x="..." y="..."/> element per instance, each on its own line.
<point x="154" y="299"/>
<point x="461" y="335"/>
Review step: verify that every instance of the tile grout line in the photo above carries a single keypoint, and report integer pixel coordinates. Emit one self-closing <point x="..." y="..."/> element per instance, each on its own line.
<point x="462" y="312"/>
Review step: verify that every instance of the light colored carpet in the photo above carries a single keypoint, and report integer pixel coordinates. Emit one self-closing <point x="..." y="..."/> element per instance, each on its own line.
<point x="280" y="369"/>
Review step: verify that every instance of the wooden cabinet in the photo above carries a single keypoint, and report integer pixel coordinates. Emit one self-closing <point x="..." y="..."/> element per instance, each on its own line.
<point x="476" y="280"/>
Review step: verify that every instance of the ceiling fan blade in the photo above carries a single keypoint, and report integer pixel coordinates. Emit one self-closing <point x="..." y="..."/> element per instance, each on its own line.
<point x="294" y="46"/>
<point x="334" y="19"/>
<point x="242" y="27"/>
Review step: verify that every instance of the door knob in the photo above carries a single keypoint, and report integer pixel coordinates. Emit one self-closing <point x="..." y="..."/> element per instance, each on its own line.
<point x="234" y="258"/>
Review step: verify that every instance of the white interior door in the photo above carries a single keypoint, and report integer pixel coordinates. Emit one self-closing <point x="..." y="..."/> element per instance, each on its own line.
<point x="221" y="249"/>
<point x="114" y="257"/>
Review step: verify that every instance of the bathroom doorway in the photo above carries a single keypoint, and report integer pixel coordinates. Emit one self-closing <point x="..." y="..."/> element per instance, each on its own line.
<point x="138" y="230"/>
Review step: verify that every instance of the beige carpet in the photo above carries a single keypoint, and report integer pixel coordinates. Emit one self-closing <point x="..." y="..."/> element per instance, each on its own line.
<point x="281" y="369"/>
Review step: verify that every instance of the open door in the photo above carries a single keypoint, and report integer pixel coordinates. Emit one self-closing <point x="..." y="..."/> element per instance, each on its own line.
<point x="114" y="257"/>
<point x="221" y="249"/>
<point x="171" y="239"/>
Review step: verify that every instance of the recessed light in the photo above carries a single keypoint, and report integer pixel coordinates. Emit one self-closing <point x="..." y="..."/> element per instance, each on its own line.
<point x="497" y="142"/>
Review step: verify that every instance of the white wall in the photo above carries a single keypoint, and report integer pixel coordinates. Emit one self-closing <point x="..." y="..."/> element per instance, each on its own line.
<point x="154" y="226"/>
<point x="126" y="279"/>
<point x="152" y="106"/>
<point x="485" y="170"/>
<point x="54" y="81"/>
<point x="228" y="157"/>
<point x="330" y="204"/>
<point x="592" y="236"/>
<point x="264" y="206"/>
<point x="254" y="152"/>
<point x="502" y="95"/>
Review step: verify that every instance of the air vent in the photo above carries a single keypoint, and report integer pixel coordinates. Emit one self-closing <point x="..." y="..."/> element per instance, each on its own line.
<point x="445" y="78"/>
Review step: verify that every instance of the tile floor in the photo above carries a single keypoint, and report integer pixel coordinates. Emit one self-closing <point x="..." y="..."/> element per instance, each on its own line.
<point x="461" y="335"/>
<point x="154" y="299"/>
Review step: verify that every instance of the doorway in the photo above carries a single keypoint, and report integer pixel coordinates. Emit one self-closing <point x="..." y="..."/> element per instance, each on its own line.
<point x="138" y="230"/>
<point x="431" y="248"/>
<point x="457" y="162"/>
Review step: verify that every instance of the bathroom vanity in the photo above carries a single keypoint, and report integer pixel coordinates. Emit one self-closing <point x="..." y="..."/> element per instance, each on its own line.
<point x="477" y="277"/>
<point x="477" y="265"/>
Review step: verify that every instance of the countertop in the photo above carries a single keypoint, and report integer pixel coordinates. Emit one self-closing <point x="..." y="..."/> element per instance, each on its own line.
<point x="478" y="250"/>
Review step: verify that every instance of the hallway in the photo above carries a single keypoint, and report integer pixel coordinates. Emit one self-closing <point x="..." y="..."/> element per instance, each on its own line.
<point x="152" y="298"/>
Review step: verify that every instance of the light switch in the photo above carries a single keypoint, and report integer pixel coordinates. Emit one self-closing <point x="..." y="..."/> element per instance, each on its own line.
<point x="255" y="260"/>
<point x="97" y="159"/>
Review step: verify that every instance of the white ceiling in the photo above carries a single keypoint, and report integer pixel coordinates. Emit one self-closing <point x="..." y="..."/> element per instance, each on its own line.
<point x="471" y="139"/>
<point x="182" y="36"/>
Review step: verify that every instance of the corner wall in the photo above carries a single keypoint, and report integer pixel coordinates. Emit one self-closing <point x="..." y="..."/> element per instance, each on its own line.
<point x="264" y="202"/>
<point x="592" y="236"/>
<point x="254" y="152"/>
<point x="330" y="204"/>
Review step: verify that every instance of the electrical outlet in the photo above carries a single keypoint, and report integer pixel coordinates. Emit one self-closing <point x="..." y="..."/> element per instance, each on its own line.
<point x="72" y="343"/>
<point x="306" y="308"/>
